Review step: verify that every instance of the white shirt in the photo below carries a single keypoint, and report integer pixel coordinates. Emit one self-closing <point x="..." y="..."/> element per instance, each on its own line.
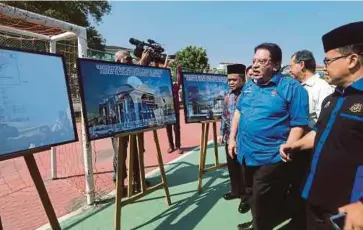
<point x="318" y="89"/>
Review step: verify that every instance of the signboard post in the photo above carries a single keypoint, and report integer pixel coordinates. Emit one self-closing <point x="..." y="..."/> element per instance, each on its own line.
<point x="204" y="100"/>
<point x="124" y="101"/>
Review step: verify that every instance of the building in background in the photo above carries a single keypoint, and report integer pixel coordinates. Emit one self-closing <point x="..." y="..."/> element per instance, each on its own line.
<point x="321" y="71"/>
<point x="222" y="67"/>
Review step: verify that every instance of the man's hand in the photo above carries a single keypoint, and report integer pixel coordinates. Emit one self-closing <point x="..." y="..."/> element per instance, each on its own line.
<point x="167" y="61"/>
<point x="220" y="140"/>
<point x="232" y="148"/>
<point x="354" y="219"/>
<point x="285" y="152"/>
<point x="145" y="57"/>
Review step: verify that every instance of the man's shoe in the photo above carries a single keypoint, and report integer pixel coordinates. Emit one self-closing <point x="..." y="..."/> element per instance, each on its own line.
<point x="170" y="150"/>
<point x="245" y="226"/>
<point x="230" y="196"/>
<point x="137" y="186"/>
<point x="180" y="151"/>
<point x="244" y="206"/>
<point x="148" y="184"/>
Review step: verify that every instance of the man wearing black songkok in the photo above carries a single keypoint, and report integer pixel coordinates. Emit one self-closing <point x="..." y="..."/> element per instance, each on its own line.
<point x="335" y="180"/>
<point x="236" y="79"/>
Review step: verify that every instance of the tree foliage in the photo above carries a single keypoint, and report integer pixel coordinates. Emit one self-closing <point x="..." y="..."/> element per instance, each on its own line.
<point x="75" y="12"/>
<point x="191" y="59"/>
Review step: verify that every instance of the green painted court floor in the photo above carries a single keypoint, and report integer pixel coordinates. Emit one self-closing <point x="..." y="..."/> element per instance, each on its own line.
<point x="189" y="210"/>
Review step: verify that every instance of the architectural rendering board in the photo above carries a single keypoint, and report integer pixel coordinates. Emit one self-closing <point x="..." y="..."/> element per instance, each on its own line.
<point x="119" y="98"/>
<point x="35" y="106"/>
<point x="203" y="96"/>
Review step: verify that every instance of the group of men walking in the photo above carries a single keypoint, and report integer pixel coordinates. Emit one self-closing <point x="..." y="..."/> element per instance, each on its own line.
<point x="294" y="144"/>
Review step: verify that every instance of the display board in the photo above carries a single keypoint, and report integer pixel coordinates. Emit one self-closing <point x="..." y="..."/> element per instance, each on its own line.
<point x="35" y="106"/>
<point x="119" y="98"/>
<point x="203" y="96"/>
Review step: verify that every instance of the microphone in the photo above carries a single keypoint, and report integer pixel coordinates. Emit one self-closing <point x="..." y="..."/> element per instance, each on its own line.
<point x="151" y="41"/>
<point x="135" y="42"/>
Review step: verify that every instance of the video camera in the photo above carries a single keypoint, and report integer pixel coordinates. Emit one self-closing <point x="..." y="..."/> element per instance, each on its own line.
<point x="156" y="51"/>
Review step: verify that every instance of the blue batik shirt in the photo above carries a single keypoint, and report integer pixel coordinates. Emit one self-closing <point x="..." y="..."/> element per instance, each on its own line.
<point x="268" y="112"/>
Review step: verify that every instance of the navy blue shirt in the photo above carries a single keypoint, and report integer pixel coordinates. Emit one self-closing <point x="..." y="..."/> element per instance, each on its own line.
<point x="268" y="112"/>
<point x="336" y="174"/>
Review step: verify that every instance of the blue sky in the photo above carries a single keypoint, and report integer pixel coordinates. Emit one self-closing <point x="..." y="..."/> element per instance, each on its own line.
<point x="229" y="30"/>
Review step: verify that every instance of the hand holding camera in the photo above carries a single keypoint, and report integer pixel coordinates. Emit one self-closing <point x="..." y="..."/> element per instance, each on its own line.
<point x="154" y="50"/>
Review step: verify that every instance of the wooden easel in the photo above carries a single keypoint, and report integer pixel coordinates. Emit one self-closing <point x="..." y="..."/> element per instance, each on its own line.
<point x="136" y="136"/>
<point x="203" y="152"/>
<point x="39" y="185"/>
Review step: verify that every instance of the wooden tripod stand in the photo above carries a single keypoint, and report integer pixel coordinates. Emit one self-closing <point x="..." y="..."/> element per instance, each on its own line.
<point x="203" y="152"/>
<point x="136" y="137"/>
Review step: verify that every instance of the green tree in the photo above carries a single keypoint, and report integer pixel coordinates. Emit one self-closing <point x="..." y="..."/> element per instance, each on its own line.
<point x="75" y="12"/>
<point x="191" y="59"/>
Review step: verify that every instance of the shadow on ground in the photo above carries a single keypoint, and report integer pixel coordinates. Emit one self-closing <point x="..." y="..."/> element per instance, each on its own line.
<point x="201" y="204"/>
<point x="176" y="217"/>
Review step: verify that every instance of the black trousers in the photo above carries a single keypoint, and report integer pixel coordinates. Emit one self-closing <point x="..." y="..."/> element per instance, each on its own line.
<point x="236" y="174"/>
<point x="169" y="131"/>
<point x="296" y="205"/>
<point x="269" y="186"/>
<point x="136" y="169"/>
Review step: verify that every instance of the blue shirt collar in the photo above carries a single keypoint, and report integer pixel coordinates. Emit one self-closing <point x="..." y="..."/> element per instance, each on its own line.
<point x="275" y="79"/>
<point x="358" y="85"/>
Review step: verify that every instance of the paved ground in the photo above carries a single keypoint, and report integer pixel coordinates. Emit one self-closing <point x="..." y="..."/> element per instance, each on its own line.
<point x="20" y="207"/>
<point x="189" y="210"/>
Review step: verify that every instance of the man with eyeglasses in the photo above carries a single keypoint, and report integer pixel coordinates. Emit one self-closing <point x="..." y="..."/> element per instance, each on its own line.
<point x="303" y="68"/>
<point x="335" y="180"/>
<point x="272" y="110"/>
<point x="124" y="57"/>
<point x="249" y="72"/>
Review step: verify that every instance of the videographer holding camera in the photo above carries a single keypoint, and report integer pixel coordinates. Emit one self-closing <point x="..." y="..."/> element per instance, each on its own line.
<point x="154" y="53"/>
<point x="124" y="57"/>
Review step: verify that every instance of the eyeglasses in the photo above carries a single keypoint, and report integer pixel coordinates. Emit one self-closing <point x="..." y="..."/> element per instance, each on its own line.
<point x="328" y="61"/>
<point x="262" y="62"/>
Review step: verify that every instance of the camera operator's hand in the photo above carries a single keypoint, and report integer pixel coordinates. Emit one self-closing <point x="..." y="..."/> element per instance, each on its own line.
<point x="145" y="58"/>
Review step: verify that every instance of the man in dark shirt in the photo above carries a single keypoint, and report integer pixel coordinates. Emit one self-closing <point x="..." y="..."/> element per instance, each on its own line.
<point x="125" y="58"/>
<point x="335" y="180"/>
<point x="169" y="128"/>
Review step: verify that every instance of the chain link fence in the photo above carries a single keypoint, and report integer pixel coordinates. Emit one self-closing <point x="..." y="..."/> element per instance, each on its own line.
<point x="14" y="179"/>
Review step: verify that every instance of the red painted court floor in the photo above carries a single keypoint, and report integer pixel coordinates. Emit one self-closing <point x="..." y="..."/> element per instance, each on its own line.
<point x="20" y="206"/>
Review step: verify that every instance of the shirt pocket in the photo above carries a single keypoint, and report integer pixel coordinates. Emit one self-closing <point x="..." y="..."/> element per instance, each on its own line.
<point x="352" y="122"/>
<point x="352" y="117"/>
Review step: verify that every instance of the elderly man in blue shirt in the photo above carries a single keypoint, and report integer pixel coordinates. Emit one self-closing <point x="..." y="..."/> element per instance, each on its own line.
<point x="272" y="110"/>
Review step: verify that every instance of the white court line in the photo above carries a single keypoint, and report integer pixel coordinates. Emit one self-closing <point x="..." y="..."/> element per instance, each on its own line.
<point x="111" y="194"/>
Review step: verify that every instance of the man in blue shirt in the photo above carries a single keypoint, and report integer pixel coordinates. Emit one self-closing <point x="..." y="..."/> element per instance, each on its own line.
<point x="272" y="110"/>
<point x="335" y="180"/>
